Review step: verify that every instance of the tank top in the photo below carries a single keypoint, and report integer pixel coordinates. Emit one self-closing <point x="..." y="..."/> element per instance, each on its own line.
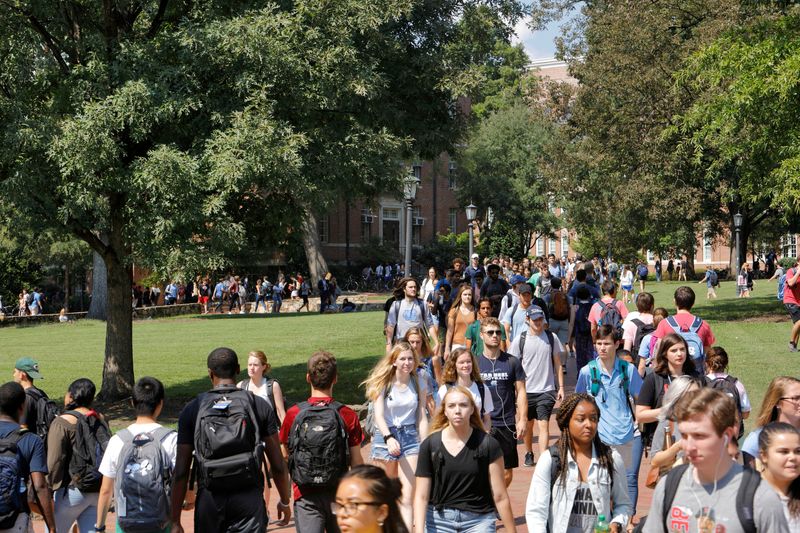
<point x="461" y="324"/>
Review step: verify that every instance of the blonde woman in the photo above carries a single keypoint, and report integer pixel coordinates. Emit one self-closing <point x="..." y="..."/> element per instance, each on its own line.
<point x="462" y="369"/>
<point x="398" y="401"/>
<point x="461" y="315"/>
<point x="260" y="384"/>
<point x="460" y="484"/>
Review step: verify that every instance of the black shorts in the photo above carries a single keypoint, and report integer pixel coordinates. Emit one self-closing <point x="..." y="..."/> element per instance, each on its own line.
<point x="642" y="278"/>
<point x="508" y="443"/>
<point x="540" y="405"/>
<point x="794" y="311"/>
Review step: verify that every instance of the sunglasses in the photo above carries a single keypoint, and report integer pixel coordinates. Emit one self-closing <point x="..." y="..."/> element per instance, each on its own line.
<point x="492" y="332"/>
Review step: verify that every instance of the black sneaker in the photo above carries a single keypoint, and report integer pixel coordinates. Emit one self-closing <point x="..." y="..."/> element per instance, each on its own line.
<point x="529" y="459"/>
<point x="792" y="347"/>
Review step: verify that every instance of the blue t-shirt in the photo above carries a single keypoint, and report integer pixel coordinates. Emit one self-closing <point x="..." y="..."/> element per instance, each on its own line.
<point x="750" y="444"/>
<point x="500" y="377"/>
<point x="30" y="450"/>
<point x="517" y="321"/>
<point x="617" y="424"/>
<point x="218" y="288"/>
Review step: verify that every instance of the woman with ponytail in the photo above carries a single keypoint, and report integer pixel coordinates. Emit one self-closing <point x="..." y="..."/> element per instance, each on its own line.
<point x="366" y="502"/>
<point x="577" y="480"/>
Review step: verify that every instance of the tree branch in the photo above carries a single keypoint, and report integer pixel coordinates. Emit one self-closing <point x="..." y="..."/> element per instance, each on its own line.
<point x="155" y="25"/>
<point x="50" y="42"/>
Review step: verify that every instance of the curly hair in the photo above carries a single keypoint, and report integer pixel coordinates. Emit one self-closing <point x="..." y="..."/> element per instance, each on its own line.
<point x="450" y="374"/>
<point x="565" y="445"/>
<point x="383" y="372"/>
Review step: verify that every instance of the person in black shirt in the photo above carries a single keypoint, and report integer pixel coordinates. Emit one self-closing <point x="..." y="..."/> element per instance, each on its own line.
<point x="25" y="371"/>
<point x="459" y="473"/>
<point x="243" y="510"/>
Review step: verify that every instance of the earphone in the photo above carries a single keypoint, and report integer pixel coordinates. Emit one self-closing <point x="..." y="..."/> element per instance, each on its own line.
<point x="725" y="440"/>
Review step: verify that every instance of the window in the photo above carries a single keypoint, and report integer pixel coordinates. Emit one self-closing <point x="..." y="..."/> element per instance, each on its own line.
<point x="391" y="213"/>
<point x="451" y="226"/>
<point x="551" y="246"/>
<point x="650" y="255"/>
<point x="416" y="230"/>
<point x="451" y="176"/>
<point x="789" y="245"/>
<point x="564" y="242"/>
<point x="418" y="174"/>
<point x="322" y="229"/>
<point x="707" y="247"/>
<point x="540" y="246"/>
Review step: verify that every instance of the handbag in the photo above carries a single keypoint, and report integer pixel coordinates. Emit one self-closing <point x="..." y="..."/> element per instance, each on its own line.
<point x="655" y="473"/>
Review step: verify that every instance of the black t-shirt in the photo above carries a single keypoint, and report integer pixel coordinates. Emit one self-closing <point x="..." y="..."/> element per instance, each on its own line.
<point x="500" y="377"/>
<point x="462" y="482"/>
<point x="266" y="418"/>
<point x="30" y="413"/>
<point x="651" y="396"/>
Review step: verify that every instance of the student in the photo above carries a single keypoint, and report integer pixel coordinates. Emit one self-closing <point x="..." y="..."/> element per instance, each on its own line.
<point x="539" y="351"/>
<point x="473" y="335"/>
<point x="579" y="478"/>
<point x="712" y="280"/>
<point x="75" y="499"/>
<point x="260" y="384"/>
<point x="581" y="280"/>
<point x="559" y="313"/>
<point x="312" y="500"/>
<point x="706" y="497"/>
<point x="608" y="310"/>
<point x="39" y="410"/>
<point x="662" y="456"/>
<point x="429" y="365"/>
<point x="512" y="295"/>
<point x="148" y="401"/>
<point x="615" y="382"/>
<point x="638" y="324"/>
<point x="460" y="472"/>
<point x="398" y="399"/>
<point x="505" y="381"/>
<point x="779" y="450"/>
<point x="30" y="459"/>
<point x="495" y="288"/>
<point x="462" y="369"/>
<point x="791" y="301"/>
<point x="646" y="355"/>
<point x="781" y="404"/>
<point x="233" y="501"/>
<point x="580" y="329"/>
<point x="717" y="377"/>
<point x="626" y="281"/>
<point x="406" y="311"/>
<point x="641" y="275"/>
<point x="461" y="315"/>
<point x="366" y="502"/>
<point x="515" y="318"/>
<point x="697" y="332"/>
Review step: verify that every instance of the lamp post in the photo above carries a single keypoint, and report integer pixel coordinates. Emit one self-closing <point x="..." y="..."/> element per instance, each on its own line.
<point x="410" y="185"/>
<point x="472" y="212"/>
<point x="737" y="225"/>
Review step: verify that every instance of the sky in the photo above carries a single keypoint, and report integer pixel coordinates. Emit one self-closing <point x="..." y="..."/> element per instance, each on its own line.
<point x="539" y="44"/>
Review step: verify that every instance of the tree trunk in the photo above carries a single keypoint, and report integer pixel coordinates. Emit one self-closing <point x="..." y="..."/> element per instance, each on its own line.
<point x="99" y="304"/>
<point x="317" y="266"/>
<point x="118" y="377"/>
<point x="66" y="288"/>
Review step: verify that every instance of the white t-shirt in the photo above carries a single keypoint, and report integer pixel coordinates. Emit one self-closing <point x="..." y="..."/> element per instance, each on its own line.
<point x="537" y="361"/>
<point x="488" y="406"/>
<point x="401" y="404"/>
<point x="629" y="328"/>
<point x="626" y="279"/>
<point x="108" y="466"/>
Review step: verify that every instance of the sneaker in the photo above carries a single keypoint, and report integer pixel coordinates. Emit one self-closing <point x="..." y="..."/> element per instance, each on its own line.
<point x="792" y="347"/>
<point x="529" y="459"/>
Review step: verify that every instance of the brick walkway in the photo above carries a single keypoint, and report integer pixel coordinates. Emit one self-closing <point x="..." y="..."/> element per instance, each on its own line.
<point x="518" y="491"/>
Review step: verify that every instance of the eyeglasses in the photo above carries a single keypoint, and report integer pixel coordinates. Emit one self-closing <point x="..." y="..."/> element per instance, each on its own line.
<point x="350" y="508"/>
<point x="794" y="399"/>
<point x="492" y="332"/>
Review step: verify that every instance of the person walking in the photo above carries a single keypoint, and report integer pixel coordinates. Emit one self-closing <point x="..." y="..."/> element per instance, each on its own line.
<point x="779" y="451"/>
<point x="462" y="369"/>
<point x="461" y="315"/>
<point x="366" y="502"/>
<point x="781" y="404"/>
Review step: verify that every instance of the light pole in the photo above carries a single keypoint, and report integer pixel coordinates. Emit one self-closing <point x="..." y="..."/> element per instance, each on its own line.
<point x="410" y="185"/>
<point x="737" y="225"/>
<point x="472" y="212"/>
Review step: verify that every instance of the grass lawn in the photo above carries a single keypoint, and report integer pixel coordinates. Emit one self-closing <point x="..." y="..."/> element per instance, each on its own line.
<point x="754" y="332"/>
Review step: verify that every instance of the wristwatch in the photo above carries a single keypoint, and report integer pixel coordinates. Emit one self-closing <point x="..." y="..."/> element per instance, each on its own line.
<point x="387" y="437"/>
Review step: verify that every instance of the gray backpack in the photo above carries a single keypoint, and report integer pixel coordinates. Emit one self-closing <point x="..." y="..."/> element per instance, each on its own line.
<point x="143" y="482"/>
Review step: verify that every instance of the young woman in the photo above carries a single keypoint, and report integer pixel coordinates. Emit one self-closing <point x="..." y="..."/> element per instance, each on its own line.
<point x="462" y="314"/>
<point x="460" y="485"/>
<point x="590" y="477"/>
<point x="427" y="370"/>
<point x="781" y="404"/>
<point x="672" y="360"/>
<point x="664" y="457"/>
<point x="716" y="371"/>
<point x="398" y="401"/>
<point x="626" y="281"/>
<point x="462" y="369"/>
<point x="779" y="451"/>
<point x="366" y="502"/>
<point x="741" y="283"/>
<point x="72" y="506"/>
<point x="429" y="285"/>
<point x="260" y="384"/>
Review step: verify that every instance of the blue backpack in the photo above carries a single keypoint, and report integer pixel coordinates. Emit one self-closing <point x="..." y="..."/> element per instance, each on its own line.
<point x="693" y="340"/>
<point x="781" y="286"/>
<point x="10" y="479"/>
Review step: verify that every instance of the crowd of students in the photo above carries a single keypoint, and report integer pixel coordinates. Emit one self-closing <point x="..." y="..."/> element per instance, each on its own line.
<point x="459" y="387"/>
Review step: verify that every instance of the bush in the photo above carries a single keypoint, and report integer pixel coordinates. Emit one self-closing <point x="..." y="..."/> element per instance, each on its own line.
<point x="440" y="252"/>
<point x="787" y="262"/>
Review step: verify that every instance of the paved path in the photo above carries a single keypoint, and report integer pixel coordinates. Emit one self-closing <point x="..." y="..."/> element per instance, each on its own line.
<point x="518" y="491"/>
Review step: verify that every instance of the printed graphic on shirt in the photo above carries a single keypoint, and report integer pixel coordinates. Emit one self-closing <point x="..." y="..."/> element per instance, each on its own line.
<point x="584" y="514"/>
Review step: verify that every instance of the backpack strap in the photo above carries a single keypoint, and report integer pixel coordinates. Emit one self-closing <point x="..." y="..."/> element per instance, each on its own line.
<point x="696" y="324"/>
<point x="523" y="336"/>
<point x="670" y="488"/>
<point x="126" y="435"/>
<point x="396" y="312"/>
<point x="594" y="374"/>
<point x="422" y="310"/>
<point x="437" y="462"/>
<point x="552" y="342"/>
<point x="482" y="394"/>
<point x="744" y="499"/>
<point x="673" y="324"/>
<point x="555" y="466"/>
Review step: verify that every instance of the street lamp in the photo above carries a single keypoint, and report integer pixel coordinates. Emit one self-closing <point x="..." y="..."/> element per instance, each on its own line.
<point x="410" y="185"/>
<point x="472" y="212"/>
<point x="737" y="225"/>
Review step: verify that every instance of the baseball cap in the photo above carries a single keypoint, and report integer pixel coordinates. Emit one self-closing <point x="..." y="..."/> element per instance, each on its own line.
<point x="525" y="288"/>
<point x="517" y="278"/>
<point x="29" y="366"/>
<point x="475" y="256"/>
<point x="534" y="312"/>
<point x="442" y="283"/>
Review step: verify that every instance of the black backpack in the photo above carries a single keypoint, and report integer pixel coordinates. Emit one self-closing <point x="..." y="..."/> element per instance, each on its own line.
<point x="227" y="440"/>
<point x="91" y="439"/>
<point x="550" y="340"/>
<point x="728" y="386"/>
<point x="46" y="411"/>
<point x="318" y="447"/>
<point x="582" y="324"/>
<point x="642" y="330"/>
<point x="10" y="501"/>
<point x="609" y="314"/>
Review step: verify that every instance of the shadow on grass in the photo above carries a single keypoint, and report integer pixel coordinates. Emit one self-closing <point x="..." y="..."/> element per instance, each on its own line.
<point x="743" y="309"/>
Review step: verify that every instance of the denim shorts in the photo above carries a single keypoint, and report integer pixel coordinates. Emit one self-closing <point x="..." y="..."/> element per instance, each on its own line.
<point x="407" y="436"/>
<point x="457" y="521"/>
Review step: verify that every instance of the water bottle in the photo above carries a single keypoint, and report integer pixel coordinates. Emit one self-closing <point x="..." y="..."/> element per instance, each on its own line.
<point x="601" y="526"/>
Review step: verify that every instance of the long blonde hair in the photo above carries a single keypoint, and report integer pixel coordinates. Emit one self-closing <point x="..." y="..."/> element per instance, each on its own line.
<point x="383" y="372"/>
<point x="769" y="408"/>
<point x="450" y="374"/>
<point x="440" y="420"/>
<point x="425" y="349"/>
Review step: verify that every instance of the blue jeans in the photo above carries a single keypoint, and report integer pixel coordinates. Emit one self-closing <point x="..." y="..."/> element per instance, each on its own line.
<point x="407" y="437"/>
<point x="631" y="453"/>
<point x="456" y="521"/>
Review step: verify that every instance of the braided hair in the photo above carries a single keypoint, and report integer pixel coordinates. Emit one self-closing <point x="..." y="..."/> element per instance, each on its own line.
<point x="565" y="445"/>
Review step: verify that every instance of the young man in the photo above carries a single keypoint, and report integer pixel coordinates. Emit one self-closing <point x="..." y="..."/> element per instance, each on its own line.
<point x="473" y="334"/>
<point x="555" y="267"/>
<point x="705" y="494"/>
<point x="791" y="300"/>
<point x="148" y="401"/>
<point x="641" y="274"/>
<point x="696" y="331"/>
<point x="605" y="308"/>
<point x="226" y="509"/>
<point x="323" y="287"/>
<point x="638" y="323"/>
<point x="540" y="356"/>
<point x="30" y="460"/>
<point x="494" y="288"/>
<point x="407" y="311"/>
<point x="514" y="320"/>
<point x="512" y="294"/>
<point x="312" y="504"/>
<point x="25" y="371"/>
<point x="580" y="281"/>
<point x="505" y="379"/>
<point x="474" y="270"/>
<point x="614" y="382"/>
<point x="712" y="280"/>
